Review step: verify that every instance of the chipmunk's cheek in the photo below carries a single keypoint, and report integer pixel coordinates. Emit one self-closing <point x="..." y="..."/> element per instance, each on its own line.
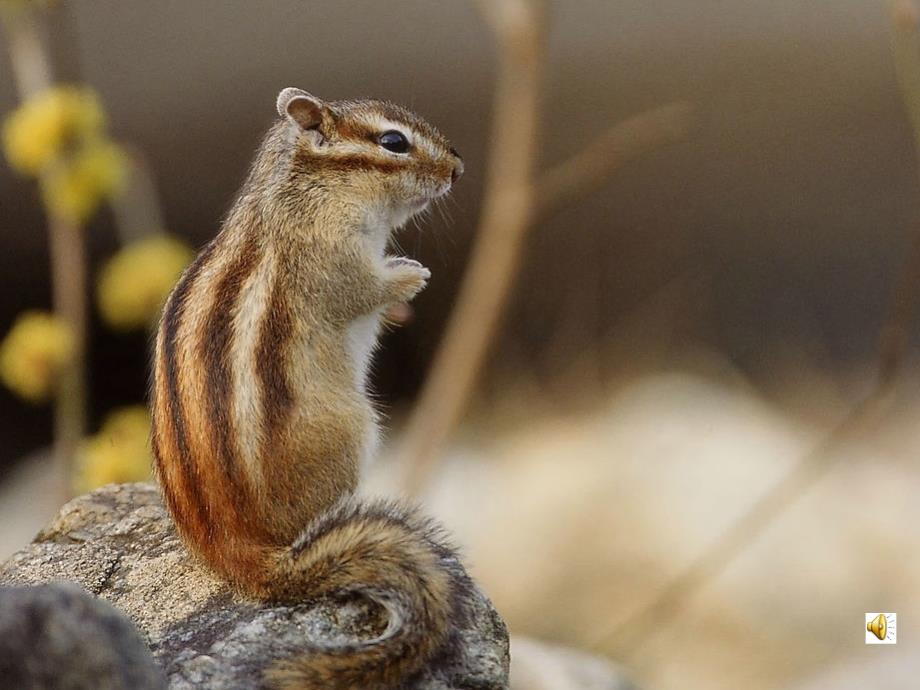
<point x="440" y="187"/>
<point x="406" y="205"/>
<point x="419" y="206"/>
<point x="436" y="185"/>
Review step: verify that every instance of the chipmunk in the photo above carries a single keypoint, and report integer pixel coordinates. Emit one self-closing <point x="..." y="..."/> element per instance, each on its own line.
<point x="259" y="397"/>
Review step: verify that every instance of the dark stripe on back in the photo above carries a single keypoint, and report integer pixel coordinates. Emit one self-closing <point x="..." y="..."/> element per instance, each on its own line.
<point x="271" y="361"/>
<point x="172" y="317"/>
<point x="215" y="349"/>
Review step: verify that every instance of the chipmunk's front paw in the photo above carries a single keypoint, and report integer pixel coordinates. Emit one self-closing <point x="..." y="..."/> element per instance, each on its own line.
<point x="401" y="262"/>
<point x="405" y="278"/>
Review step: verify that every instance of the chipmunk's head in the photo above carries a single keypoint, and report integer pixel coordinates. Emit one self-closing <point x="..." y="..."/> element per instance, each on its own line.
<point x="368" y="154"/>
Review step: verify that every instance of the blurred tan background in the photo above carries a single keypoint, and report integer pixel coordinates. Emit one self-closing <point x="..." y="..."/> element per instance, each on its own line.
<point x="675" y="342"/>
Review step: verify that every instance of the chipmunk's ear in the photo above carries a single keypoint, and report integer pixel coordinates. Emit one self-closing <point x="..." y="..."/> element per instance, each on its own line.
<point x="300" y="107"/>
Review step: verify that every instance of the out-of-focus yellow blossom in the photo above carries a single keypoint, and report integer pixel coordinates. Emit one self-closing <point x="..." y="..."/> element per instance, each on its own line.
<point x="134" y="283"/>
<point x="120" y="452"/>
<point x="74" y="189"/>
<point x="33" y="353"/>
<point x="35" y="133"/>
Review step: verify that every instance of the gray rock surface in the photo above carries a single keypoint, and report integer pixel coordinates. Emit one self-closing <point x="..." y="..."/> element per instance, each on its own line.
<point x="59" y="637"/>
<point x="119" y="544"/>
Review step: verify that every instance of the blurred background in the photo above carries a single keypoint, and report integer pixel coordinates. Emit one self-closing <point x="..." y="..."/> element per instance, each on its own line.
<point x="676" y="341"/>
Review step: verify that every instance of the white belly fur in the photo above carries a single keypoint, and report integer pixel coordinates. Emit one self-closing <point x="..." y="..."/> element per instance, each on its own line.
<point x="361" y="341"/>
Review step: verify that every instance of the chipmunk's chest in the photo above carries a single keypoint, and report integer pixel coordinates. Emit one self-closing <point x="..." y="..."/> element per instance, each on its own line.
<point x="360" y="342"/>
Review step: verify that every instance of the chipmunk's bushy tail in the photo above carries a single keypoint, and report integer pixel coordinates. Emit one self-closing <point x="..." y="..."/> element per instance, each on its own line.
<point x="389" y="554"/>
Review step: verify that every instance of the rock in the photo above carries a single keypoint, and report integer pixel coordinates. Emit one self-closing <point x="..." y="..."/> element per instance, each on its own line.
<point x="118" y="543"/>
<point x="58" y="637"/>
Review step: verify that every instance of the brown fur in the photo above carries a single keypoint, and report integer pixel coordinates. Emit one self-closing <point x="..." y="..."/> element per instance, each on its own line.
<point x="261" y="416"/>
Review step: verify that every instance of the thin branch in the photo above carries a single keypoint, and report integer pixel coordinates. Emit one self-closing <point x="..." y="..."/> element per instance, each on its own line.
<point x="514" y="199"/>
<point x="517" y="24"/>
<point x="31" y="69"/>
<point x="895" y="333"/>
<point x="33" y="74"/>
<point x="68" y="281"/>
<point x="587" y="170"/>
<point x="496" y="254"/>
<point x="635" y="630"/>
<point x="905" y="48"/>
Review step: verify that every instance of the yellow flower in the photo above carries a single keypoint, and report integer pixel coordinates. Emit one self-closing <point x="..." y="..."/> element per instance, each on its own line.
<point x="75" y="187"/>
<point x="35" y="133"/>
<point x="135" y="282"/>
<point x="33" y="353"/>
<point x="120" y="452"/>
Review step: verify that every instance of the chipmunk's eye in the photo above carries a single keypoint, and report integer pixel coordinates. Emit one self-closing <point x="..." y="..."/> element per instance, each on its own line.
<point x="394" y="141"/>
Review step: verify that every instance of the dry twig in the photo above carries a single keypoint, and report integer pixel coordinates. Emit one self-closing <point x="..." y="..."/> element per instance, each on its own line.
<point x="515" y="198"/>
<point x="634" y="631"/>
<point x="587" y="170"/>
<point x="32" y="73"/>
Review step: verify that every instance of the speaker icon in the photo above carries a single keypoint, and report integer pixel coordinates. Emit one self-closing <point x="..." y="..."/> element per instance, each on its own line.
<point x="878" y="626"/>
<point x="881" y="628"/>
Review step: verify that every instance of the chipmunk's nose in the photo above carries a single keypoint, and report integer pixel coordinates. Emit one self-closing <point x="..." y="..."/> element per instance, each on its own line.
<point x="458" y="166"/>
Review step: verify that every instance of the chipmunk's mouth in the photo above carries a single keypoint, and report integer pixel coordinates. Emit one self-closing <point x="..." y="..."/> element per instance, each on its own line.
<point x="422" y="202"/>
<point x="417" y="205"/>
<point x="420" y="206"/>
<point x="403" y="213"/>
